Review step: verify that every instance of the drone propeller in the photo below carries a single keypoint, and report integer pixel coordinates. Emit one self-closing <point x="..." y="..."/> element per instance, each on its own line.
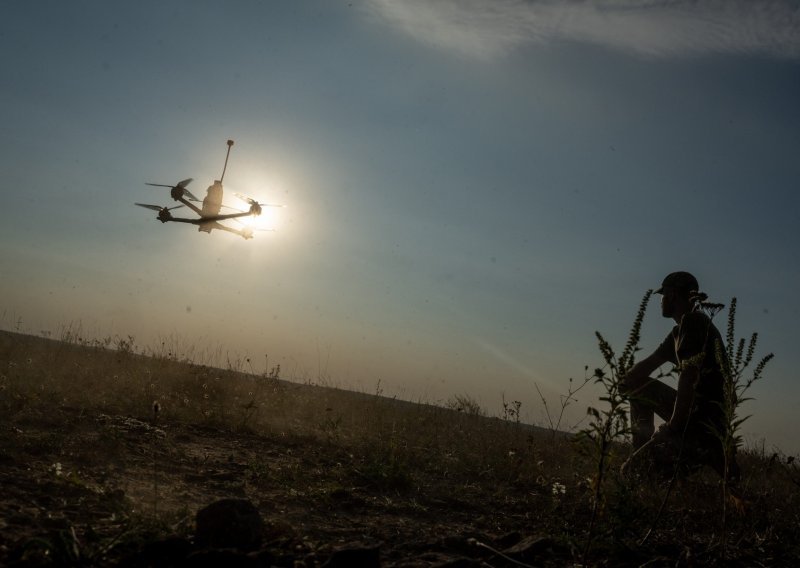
<point x="251" y="228"/>
<point x="180" y="188"/>
<point x="157" y="207"/>
<point x="247" y="232"/>
<point x="181" y="184"/>
<point x="232" y="208"/>
<point x="252" y="201"/>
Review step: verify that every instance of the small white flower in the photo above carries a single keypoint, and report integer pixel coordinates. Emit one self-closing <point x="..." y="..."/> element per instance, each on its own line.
<point x="56" y="467"/>
<point x="559" y="488"/>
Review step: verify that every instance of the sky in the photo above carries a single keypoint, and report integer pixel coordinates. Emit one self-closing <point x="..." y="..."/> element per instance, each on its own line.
<point x="471" y="189"/>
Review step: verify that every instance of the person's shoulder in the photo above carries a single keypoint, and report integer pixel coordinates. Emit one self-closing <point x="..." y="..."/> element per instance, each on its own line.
<point x="695" y="318"/>
<point x="697" y="321"/>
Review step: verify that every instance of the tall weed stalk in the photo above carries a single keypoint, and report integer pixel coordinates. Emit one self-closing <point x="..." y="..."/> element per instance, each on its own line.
<point x="735" y="357"/>
<point x="554" y="422"/>
<point x="611" y="423"/>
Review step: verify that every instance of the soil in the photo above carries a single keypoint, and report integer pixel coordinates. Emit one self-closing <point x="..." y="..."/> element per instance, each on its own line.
<point x="320" y="476"/>
<point x="86" y="488"/>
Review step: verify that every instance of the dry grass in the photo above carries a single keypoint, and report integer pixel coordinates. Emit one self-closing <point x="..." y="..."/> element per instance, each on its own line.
<point x="308" y="448"/>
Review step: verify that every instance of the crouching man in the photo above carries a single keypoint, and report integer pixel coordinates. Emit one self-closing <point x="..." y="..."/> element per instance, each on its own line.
<point x="692" y="412"/>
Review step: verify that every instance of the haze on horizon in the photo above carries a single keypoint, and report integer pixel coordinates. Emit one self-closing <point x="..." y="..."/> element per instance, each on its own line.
<point x="472" y="189"/>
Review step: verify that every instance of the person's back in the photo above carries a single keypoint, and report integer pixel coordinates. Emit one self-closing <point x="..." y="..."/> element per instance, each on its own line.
<point x="696" y="343"/>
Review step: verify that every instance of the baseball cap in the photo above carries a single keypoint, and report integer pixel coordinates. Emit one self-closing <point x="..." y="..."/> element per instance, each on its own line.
<point x="681" y="281"/>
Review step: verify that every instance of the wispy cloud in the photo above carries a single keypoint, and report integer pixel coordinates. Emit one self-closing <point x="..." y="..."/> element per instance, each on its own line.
<point x="652" y="28"/>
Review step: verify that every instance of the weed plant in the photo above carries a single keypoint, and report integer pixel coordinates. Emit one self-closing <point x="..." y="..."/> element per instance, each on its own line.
<point x="610" y="424"/>
<point x="627" y="504"/>
<point x="734" y="361"/>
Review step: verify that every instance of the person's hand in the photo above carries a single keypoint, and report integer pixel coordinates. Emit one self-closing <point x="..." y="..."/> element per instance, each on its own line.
<point x="664" y="433"/>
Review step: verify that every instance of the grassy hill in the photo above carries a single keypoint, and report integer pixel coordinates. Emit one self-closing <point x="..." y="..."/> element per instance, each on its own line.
<point x="106" y="451"/>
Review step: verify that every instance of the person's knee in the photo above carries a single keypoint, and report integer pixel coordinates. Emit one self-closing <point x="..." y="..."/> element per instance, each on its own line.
<point x="628" y="384"/>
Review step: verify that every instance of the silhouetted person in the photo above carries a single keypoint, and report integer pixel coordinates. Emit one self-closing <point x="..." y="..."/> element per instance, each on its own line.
<point x="694" y="410"/>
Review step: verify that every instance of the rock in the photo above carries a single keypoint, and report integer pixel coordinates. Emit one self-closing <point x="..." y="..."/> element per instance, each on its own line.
<point x="230" y="523"/>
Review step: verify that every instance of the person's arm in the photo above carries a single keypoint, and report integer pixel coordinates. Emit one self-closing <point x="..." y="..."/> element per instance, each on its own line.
<point x="684" y="399"/>
<point x="641" y="371"/>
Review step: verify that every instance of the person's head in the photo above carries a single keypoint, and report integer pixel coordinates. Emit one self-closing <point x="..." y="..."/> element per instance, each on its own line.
<point x="677" y="292"/>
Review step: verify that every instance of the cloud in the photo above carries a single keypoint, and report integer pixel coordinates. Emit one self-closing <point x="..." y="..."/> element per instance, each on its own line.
<point x="655" y="28"/>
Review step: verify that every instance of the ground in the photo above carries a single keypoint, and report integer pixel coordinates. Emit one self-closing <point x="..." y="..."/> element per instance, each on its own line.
<point x="108" y="453"/>
<point x="102" y="475"/>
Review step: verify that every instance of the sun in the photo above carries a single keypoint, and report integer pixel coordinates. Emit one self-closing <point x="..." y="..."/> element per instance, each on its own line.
<point x="267" y="221"/>
<point x="251" y="191"/>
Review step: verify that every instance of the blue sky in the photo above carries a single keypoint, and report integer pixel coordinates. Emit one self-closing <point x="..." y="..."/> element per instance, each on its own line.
<point x="471" y="189"/>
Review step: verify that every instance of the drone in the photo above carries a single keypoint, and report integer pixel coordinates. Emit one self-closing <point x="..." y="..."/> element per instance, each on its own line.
<point x="209" y="216"/>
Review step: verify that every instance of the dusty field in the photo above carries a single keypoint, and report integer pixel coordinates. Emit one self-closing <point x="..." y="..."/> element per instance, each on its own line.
<point x="92" y="476"/>
<point x="102" y="475"/>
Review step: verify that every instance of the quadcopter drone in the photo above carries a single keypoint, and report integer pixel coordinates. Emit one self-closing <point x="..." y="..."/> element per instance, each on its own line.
<point x="209" y="212"/>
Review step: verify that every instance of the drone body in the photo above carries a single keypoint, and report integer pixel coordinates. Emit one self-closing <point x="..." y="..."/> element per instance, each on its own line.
<point x="208" y="215"/>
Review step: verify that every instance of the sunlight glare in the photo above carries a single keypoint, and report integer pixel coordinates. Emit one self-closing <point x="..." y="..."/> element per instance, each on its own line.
<point x="267" y="221"/>
<point x="270" y="209"/>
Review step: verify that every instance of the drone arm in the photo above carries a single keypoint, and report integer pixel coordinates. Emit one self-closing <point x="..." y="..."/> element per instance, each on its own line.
<point x="208" y="226"/>
<point x="190" y="205"/>
<point x="244" y="233"/>
<point x="228" y="216"/>
<point x="203" y="220"/>
<point x="182" y="220"/>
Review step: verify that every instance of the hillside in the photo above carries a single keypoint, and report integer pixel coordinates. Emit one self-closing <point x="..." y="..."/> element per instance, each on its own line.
<point x="107" y="455"/>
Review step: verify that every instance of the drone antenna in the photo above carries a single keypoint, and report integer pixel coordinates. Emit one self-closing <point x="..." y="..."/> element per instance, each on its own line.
<point x="230" y="143"/>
